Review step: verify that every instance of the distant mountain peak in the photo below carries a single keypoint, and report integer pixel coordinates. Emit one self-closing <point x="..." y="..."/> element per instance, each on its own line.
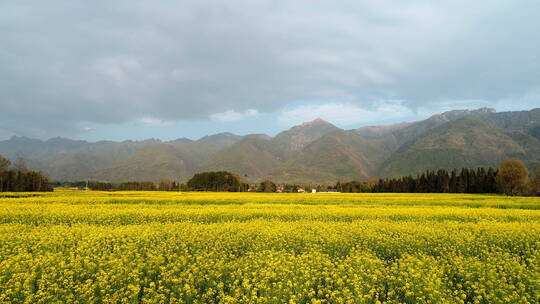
<point x="182" y="140"/>
<point x="316" y="121"/>
<point x="224" y="136"/>
<point x="449" y="115"/>
<point x="316" y="126"/>
<point x="297" y="137"/>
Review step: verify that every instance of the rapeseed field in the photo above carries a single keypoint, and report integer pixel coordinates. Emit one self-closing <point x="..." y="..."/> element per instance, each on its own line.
<point x="167" y="247"/>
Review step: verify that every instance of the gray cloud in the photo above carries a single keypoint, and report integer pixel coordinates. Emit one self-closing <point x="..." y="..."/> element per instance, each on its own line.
<point x="65" y="63"/>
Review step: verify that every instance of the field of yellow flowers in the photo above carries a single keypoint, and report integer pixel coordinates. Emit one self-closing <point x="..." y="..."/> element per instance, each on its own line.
<point x="169" y="247"/>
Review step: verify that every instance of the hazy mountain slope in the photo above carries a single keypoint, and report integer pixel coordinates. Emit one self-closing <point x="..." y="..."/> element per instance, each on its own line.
<point x="69" y="160"/>
<point x="39" y="153"/>
<point x="157" y="160"/>
<point x="522" y="121"/>
<point x="153" y="162"/>
<point x="257" y="156"/>
<point x="339" y="155"/>
<point x="295" y="139"/>
<point x="253" y="157"/>
<point x="464" y="142"/>
<point x="417" y="129"/>
<point x="531" y="146"/>
<point x="380" y="131"/>
<point x="202" y="150"/>
<point x="535" y="132"/>
<point x="82" y="163"/>
<point x="217" y="141"/>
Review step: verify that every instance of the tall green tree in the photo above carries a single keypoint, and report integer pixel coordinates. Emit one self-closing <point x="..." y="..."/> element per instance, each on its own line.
<point x="513" y="177"/>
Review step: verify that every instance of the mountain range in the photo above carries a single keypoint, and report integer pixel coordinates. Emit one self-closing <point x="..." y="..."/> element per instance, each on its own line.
<point x="313" y="152"/>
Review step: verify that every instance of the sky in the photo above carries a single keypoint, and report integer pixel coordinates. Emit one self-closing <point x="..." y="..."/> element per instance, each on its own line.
<point x="120" y="70"/>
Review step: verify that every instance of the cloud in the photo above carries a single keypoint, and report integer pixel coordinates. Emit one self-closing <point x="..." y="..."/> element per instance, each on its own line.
<point x="155" y="122"/>
<point x="88" y="129"/>
<point x="232" y="115"/>
<point x="345" y="114"/>
<point x="111" y="62"/>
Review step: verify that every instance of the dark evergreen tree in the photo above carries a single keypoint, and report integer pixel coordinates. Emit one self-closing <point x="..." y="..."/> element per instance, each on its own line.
<point x="23" y="181"/>
<point x="464" y="181"/>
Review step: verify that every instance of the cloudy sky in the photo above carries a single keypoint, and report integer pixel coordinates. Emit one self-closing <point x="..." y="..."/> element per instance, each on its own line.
<point x="167" y="69"/>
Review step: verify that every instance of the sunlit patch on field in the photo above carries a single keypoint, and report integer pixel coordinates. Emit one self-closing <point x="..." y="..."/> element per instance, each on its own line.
<point x="152" y="247"/>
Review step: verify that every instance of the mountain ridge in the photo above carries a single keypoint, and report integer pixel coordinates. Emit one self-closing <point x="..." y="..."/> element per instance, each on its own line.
<point x="314" y="151"/>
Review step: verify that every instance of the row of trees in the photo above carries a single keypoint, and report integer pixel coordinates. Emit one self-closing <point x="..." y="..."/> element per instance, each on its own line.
<point x="206" y="181"/>
<point x="512" y="178"/>
<point x="129" y="186"/>
<point x="20" y="179"/>
<point x="465" y="181"/>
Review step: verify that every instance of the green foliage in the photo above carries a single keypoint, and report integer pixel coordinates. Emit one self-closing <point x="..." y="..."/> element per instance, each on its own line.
<point x="267" y="186"/>
<point x="127" y="186"/>
<point x="215" y="181"/>
<point x="513" y="177"/>
<point x="291" y="188"/>
<point x="23" y="181"/>
<point x="353" y="187"/>
<point x="466" y="180"/>
<point x="20" y="179"/>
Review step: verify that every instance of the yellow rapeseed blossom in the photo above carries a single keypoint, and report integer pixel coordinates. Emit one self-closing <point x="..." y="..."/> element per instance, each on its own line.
<point x="169" y="247"/>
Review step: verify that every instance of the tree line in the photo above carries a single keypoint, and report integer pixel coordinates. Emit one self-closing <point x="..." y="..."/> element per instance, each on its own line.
<point x="127" y="186"/>
<point x="205" y="181"/>
<point x="18" y="178"/>
<point x="466" y="180"/>
<point x="219" y="181"/>
<point x="512" y="178"/>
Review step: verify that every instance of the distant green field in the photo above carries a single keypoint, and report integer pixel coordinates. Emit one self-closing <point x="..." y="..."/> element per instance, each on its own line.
<point x="169" y="247"/>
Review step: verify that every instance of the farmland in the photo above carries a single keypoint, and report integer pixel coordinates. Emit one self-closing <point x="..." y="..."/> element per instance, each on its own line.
<point x="168" y="247"/>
